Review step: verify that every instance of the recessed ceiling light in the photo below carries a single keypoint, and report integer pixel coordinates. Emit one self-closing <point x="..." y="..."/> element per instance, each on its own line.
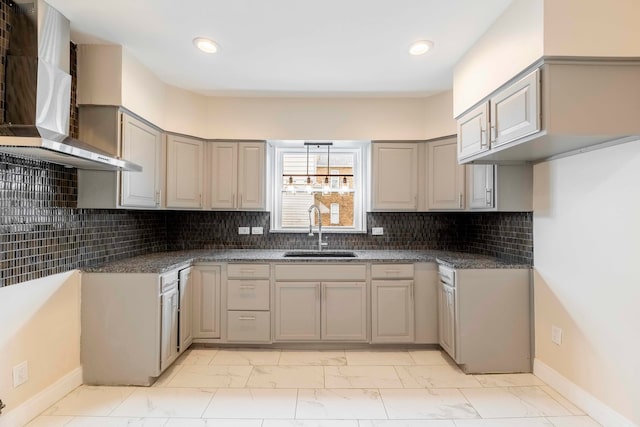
<point x="420" y="47"/>
<point x="205" y="44"/>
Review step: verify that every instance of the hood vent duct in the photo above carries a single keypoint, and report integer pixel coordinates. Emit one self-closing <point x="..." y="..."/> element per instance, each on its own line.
<point x="38" y="92"/>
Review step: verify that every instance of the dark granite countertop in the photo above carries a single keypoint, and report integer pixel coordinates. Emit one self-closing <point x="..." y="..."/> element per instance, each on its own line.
<point x="166" y="261"/>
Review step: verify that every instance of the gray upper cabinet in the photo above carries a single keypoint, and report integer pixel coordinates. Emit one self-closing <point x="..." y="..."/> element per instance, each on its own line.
<point x="515" y="111"/>
<point x="557" y="106"/>
<point x="472" y="131"/>
<point x="480" y="179"/>
<point x="141" y="144"/>
<point x="395" y="176"/>
<point x="122" y="135"/>
<point x="446" y="177"/>
<point x="236" y="175"/>
<point x="510" y="114"/>
<point x="500" y="187"/>
<point x="185" y="176"/>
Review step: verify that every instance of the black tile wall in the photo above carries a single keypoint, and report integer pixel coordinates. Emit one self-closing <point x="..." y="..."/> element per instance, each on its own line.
<point x="505" y="235"/>
<point x="42" y="233"/>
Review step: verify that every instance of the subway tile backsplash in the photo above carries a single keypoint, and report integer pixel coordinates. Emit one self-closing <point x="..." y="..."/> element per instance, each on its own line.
<point x="42" y="232"/>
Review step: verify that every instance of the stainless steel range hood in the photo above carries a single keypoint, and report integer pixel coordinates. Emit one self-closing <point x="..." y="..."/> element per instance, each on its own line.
<point x="38" y="92"/>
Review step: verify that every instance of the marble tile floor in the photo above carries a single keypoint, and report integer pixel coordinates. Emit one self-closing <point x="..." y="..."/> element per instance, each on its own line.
<point x="209" y="387"/>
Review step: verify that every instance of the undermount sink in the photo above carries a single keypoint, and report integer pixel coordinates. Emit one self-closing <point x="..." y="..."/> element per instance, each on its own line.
<point x="320" y="254"/>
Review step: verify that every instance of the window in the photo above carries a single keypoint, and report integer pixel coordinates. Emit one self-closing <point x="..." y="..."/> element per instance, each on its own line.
<point x="335" y="182"/>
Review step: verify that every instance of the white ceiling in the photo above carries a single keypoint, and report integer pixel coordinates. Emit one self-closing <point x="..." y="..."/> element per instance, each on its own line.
<point x="290" y="47"/>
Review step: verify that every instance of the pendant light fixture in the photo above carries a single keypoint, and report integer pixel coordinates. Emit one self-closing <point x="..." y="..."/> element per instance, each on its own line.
<point x="326" y="183"/>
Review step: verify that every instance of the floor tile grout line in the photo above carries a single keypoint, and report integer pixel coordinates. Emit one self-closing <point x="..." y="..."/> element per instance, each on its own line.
<point x="295" y="412"/>
<point x="384" y="406"/>
<point x="208" y="403"/>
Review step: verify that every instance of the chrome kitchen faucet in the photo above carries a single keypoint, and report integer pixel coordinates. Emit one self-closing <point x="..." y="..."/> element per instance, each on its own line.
<point x="320" y="242"/>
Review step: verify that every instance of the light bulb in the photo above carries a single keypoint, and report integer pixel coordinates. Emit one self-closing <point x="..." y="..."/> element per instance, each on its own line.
<point x="326" y="189"/>
<point x="420" y="47"/>
<point x="344" y="188"/>
<point x="290" y="187"/>
<point x="308" y="187"/>
<point x="206" y="45"/>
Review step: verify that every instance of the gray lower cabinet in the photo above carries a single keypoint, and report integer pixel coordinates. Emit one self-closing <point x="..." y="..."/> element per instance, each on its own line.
<point x="185" y="314"/>
<point x="169" y="329"/>
<point x="446" y="318"/>
<point x="344" y="311"/>
<point x="312" y="311"/>
<point x="206" y="302"/>
<point x="129" y="323"/>
<point x="297" y="311"/>
<point x="248" y="294"/>
<point x="392" y="314"/>
<point x="392" y="303"/>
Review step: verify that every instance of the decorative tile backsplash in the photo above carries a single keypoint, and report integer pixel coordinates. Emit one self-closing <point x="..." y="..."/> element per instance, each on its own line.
<point x="43" y="233"/>
<point x="505" y="235"/>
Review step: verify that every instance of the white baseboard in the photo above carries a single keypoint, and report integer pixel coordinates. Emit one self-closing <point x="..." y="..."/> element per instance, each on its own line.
<point x="595" y="408"/>
<point x="33" y="407"/>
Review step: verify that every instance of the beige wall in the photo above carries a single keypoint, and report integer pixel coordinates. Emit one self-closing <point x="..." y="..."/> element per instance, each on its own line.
<point x="110" y="75"/>
<point x="511" y="44"/>
<point x="586" y="251"/>
<point x="330" y="118"/>
<point x="592" y="28"/>
<point x="39" y="323"/>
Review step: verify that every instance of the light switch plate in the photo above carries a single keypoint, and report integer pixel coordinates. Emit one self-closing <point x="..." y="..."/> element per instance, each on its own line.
<point x="377" y="231"/>
<point x="256" y="230"/>
<point x="243" y="230"/>
<point x="556" y="335"/>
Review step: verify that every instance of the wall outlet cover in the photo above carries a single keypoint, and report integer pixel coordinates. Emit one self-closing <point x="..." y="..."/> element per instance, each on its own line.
<point x="243" y="230"/>
<point x="20" y="374"/>
<point x="377" y="231"/>
<point x="257" y="230"/>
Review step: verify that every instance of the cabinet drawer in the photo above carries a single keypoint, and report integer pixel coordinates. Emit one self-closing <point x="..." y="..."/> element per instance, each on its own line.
<point x="247" y="294"/>
<point x="248" y="326"/>
<point x="330" y="272"/>
<point x="243" y="271"/>
<point x="391" y="271"/>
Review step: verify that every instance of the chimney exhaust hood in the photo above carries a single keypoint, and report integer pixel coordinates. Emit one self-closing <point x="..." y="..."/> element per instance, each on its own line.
<point x="38" y="92"/>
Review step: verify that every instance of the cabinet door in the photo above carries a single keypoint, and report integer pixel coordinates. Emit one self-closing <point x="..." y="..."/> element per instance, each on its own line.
<point x="251" y="175"/>
<point x="480" y="186"/>
<point x="392" y="316"/>
<point x="395" y="176"/>
<point x="446" y="176"/>
<point x="515" y="111"/>
<point x="184" y="172"/>
<point x="297" y="311"/>
<point x="169" y="328"/>
<point x="141" y="144"/>
<point x="472" y="131"/>
<point x="223" y="170"/>
<point x="446" y="317"/>
<point x="206" y="302"/>
<point x="344" y="311"/>
<point x="185" y="309"/>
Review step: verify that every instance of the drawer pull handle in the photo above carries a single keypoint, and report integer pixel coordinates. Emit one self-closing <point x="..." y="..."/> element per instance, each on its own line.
<point x="246" y="318"/>
<point x="248" y="271"/>
<point x="392" y="271"/>
<point x="247" y="286"/>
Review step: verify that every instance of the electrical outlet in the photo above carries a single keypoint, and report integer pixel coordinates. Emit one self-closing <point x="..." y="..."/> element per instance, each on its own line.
<point x="377" y="231"/>
<point x="256" y="230"/>
<point x="556" y="335"/>
<point x="243" y="230"/>
<point x="20" y="374"/>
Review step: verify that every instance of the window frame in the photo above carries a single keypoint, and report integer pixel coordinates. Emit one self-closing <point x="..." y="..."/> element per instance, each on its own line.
<point x="361" y="182"/>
